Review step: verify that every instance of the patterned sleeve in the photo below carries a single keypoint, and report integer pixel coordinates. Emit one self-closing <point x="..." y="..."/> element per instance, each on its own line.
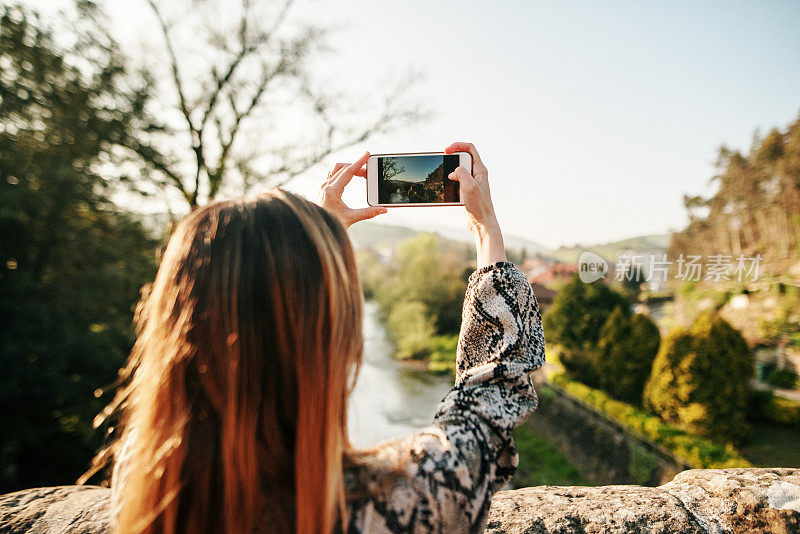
<point x="468" y="454"/>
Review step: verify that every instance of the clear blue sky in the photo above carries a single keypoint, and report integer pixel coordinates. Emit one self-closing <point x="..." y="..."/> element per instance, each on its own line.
<point x="593" y="117"/>
<point x="417" y="168"/>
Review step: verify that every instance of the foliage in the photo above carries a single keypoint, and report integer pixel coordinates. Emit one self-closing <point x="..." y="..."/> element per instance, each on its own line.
<point x="574" y="321"/>
<point x="71" y="264"/>
<point x="421" y="297"/>
<point x="625" y="353"/>
<point x="782" y="378"/>
<point x="79" y="103"/>
<point x="425" y="273"/>
<point x="371" y="273"/>
<point x="784" y="324"/>
<point x="412" y="329"/>
<point x="641" y="464"/>
<point x="697" y="451"/>
<point x="700" y="380"/>
<point x="764" y="405"/>
<point x="783" y="412"/>
<point x="443" y="350"/>
<point x="540" y="463"/>
<point x="756" y="208"/>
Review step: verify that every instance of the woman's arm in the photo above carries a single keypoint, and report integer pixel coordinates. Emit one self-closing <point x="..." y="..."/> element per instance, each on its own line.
<point x="481" y="218"/>
<point x="455" y="466"/>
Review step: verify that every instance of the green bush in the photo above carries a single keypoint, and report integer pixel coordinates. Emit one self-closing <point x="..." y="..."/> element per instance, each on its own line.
<point x="641" y="464"/>
<point x="420" y="297"/>
<point x="700" y="380"/>
<point x="782" y="412"/>
<point x="574" y="321"/>
<point x="764" y="405"/>
<point x="697" y="451"/>
<point x="443" y="354"/>
<point x="782" y="378"/>
<point x="427" y="274"/>
<point x="625" y="353"/>
<point x="411" y="329"/>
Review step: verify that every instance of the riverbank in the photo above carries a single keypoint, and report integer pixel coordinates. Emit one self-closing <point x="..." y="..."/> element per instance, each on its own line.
<point x="390" y="398"/>
<point x="397" y="397"/>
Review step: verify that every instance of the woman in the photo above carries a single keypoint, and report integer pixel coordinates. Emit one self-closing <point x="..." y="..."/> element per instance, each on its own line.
<point x="249" y="345"/>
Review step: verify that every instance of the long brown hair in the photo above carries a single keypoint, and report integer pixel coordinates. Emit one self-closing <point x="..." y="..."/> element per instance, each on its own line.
<point x="248" y="346"/>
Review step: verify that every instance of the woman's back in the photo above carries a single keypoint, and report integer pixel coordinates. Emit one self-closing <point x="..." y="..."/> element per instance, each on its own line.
<point x="248" y="346"/>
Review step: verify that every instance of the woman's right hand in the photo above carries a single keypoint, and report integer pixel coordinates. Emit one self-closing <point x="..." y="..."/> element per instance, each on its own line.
<point x="477" y="199"/>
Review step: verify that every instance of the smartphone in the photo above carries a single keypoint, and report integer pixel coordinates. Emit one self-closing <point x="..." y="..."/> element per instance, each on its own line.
<point x="415" y="179"/>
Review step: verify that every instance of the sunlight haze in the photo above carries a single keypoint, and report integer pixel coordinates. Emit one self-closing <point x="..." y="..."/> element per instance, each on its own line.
<point x="593" y="118"/>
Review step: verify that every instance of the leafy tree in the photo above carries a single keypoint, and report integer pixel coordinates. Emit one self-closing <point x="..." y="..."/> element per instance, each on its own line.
<point x="421" y="297"/>
<point x="625" y="353"/>
<point x="371" y="273"/>
<point x="428" y="275"/>
<point x="71" y="265"/>
<point x="443" y="350"/>
<point x="412" y="329"/>
<point x="756" y="207"/>
<point x="700" y="380"/>
<point x="574" y="321"/>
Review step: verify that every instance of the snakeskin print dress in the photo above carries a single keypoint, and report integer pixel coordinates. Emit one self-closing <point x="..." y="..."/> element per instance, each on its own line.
<point x="452" y="468"/>
<point x="442" y="478"/>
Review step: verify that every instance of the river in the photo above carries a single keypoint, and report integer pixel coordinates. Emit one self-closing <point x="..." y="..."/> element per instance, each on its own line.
<point x="389" y="399"/>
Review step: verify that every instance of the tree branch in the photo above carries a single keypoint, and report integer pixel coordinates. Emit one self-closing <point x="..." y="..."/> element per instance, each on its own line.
<point x="216" y="177"/>
<point x="176" y="77"/>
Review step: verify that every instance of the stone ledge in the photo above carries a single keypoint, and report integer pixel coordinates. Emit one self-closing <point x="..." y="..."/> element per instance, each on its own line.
<point x="696" y="501"/>
<point x="54" y="510"/>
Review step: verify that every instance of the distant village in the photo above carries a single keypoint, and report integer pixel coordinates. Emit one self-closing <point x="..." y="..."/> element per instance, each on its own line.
<point x="547" y="274"/>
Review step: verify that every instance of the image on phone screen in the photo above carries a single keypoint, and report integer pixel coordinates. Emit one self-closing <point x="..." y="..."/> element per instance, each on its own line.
<point x="417" y="179"/>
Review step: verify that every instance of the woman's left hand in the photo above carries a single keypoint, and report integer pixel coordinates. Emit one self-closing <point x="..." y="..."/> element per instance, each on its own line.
<point x="330" y="195"/>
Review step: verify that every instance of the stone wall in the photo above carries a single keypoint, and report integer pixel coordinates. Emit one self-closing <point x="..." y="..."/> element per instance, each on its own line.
<point x="696" y="501"/>
<point x="604" y="451"/>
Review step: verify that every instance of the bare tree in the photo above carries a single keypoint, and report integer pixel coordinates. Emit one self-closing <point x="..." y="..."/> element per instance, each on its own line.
<point x="391" y="168"/>
<point x="234" y="71"/>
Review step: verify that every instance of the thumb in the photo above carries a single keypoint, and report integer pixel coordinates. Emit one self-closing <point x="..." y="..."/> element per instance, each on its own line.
<point x="362" y="214"/>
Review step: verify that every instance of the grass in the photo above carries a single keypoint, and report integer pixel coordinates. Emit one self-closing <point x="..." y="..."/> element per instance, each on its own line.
<point x="695" y="450"/>
<point x="541" y="464"/>
<point x="773" y="446"/>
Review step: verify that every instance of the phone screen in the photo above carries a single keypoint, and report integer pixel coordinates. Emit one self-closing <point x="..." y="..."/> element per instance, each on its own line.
<point x="417" y="179"/>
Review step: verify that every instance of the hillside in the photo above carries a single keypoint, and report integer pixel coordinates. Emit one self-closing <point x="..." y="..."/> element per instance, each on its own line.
<point x="609" y="251"/>
<point x="375" y="235"/>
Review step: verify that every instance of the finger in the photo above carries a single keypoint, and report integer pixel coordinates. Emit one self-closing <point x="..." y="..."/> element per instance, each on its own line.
<point x="463" y="176"/>
<point x="465" y="147"/>
<point x="362" y="214"/>
<point x="361" y="172"/>
<point x="341" y="180"/>
<point x="332" y="174"/>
